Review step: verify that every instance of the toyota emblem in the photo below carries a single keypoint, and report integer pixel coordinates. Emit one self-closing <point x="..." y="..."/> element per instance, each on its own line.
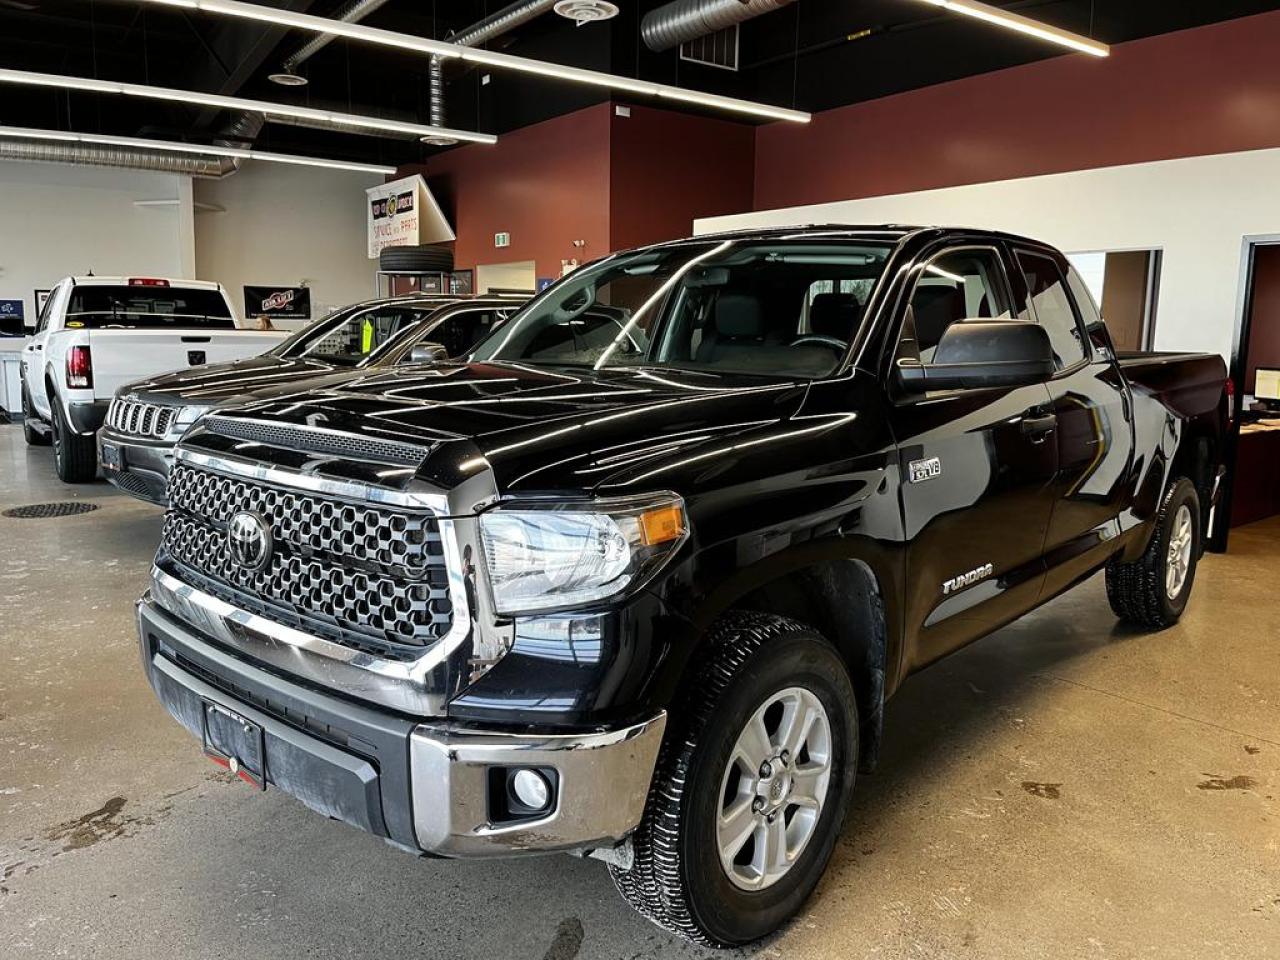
<point x="249" y="540"/>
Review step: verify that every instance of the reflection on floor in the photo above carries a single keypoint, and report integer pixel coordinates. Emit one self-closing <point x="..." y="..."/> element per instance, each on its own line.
<point x="1061" y="789"/>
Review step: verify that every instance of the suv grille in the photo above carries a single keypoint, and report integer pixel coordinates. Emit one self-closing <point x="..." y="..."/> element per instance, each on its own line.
<point x="139" y="419"/>
<point x="359" y="572"/>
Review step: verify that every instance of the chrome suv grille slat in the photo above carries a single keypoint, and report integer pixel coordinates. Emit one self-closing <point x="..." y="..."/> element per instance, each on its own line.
<point x="139" y="419"/>
<point x="370" y="571"/>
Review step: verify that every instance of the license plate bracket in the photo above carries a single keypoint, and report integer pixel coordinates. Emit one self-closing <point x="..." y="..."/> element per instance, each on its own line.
<point x="112" y="456"/>
<point x="234" y="742"/>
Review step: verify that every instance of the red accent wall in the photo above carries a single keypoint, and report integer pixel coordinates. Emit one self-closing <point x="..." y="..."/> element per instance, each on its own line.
<point x="669" y="169"/>
<point x="546" y="184"/>
<point x="615" y="182"/>
<point x="1210" y="90"/>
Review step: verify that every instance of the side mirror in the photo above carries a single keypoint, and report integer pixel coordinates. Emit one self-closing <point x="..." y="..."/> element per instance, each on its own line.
<point x="983" y="353"/>
<point x="427" y="352"/>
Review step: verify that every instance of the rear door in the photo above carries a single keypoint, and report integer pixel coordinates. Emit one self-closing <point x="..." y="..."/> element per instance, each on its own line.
<point x="1094" y="434"/>
<point x="977" y="469"/>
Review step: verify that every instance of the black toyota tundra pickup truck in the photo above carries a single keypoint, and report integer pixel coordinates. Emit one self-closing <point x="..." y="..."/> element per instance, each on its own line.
<point x="637" y="579"/>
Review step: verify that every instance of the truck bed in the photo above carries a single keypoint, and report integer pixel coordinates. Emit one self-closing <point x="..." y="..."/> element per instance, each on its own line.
<point x="1190" y="384"/>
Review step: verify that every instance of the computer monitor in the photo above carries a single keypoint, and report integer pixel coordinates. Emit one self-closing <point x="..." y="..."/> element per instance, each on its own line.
<point x="1267" y="386"/>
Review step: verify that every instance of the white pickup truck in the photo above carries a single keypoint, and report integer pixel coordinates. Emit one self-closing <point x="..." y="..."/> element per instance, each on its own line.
<point x="96" y="334"/>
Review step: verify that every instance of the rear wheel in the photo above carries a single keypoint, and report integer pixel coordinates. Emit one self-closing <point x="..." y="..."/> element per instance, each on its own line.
<point x="752" y="786"/>
<point x="74" y="457"/>
<point x="33" y="436"/>
<point x="1153" y="590"/>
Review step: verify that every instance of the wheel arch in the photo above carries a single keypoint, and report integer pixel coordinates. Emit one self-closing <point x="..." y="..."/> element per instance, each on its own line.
<point x="847" y="600"/>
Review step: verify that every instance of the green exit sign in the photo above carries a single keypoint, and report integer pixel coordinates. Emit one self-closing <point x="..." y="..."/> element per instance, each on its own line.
<point x="502" y="239"/>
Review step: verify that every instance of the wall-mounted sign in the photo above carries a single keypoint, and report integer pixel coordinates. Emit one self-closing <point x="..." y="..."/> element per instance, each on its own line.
<point x="11" y="315"/>
<point x="404" y="213"/>
<point x="291" y="302"/>
<point x="502" y="239"/>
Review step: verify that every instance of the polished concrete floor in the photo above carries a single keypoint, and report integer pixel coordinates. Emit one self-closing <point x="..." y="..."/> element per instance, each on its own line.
<point x="1062" y="789"/>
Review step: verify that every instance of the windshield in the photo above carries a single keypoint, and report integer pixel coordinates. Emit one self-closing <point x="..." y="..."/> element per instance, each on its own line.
<point x="130" y="307"/>
<point x="786" y="308"/>
<point x="350" y="337"/>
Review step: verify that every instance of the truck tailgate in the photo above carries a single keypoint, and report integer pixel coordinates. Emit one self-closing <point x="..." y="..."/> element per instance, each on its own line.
<point x="122" y="356"/>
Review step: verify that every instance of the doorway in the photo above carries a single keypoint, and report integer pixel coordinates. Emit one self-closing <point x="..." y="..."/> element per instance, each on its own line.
<point x="1126" y="285"/>
<point x="1252" y="488"/>
<point x="518" y="277"/>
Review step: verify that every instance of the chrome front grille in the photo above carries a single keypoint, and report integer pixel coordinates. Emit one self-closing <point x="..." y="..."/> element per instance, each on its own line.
<point x="360" y="572"/>
<point x="139" y="419"/>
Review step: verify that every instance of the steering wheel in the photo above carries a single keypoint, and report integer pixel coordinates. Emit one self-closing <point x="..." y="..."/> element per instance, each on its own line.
<point x="817" y="340"/>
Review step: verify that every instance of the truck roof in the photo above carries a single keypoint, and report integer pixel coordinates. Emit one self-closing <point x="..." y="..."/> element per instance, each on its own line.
<point x="94" y="280"/>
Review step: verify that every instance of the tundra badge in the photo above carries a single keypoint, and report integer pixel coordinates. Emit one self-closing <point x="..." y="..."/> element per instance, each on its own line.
<point x="967" y="579"/>
<point x="921" y="470"/>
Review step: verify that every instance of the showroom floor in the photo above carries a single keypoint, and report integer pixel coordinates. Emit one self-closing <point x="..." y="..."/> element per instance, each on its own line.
<point x="1062" y="789"/>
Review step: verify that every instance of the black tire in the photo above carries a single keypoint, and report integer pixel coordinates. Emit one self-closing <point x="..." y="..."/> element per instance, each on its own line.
<point x="34" y="437"/>
<point x="427" y="258"/>
<point x="1137" y="591"/>
<point x="75" y="458"/>
<point x="676" y="879"/>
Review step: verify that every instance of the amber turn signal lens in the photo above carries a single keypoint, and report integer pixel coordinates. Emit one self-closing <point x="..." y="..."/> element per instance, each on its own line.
<point x="662" y="524"/>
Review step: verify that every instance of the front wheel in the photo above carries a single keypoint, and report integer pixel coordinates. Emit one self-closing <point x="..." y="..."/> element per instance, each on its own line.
<point x="1153" y="590"/>
<point x="34" y="437"/>
<point x="752" y="786"/>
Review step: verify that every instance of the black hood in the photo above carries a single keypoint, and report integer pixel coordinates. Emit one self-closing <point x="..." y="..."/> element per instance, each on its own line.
<point x="537" y="428"/>
<point x="224" y="382"/>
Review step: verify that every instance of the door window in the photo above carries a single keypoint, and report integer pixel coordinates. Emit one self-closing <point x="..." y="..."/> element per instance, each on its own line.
<point x="1050" y="304"/>
<point x="462" y="331"/>
<point x="957" y="286"/>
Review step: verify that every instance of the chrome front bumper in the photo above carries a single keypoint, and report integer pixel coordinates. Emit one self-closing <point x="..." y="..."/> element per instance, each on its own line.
<point x="602" y="779"/>
<point x="424" y="786"/>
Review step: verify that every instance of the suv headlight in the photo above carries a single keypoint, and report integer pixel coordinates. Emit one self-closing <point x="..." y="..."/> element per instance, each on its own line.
<point x="560" y="555"/>
<point x="187" y="415"/>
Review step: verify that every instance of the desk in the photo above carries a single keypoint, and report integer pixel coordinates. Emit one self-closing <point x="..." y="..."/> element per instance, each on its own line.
<point x="1256" y="493"/>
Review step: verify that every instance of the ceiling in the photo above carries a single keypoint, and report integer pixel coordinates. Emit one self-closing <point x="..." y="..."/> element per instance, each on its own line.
<point x="801" y="56"/>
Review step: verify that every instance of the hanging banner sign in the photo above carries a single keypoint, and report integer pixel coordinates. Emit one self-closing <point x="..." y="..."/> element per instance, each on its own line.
<point x="292" y="302"/>
<point x="404" y="213"/>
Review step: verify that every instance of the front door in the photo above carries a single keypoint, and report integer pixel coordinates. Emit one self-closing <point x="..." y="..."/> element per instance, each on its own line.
<point x="977" y="470"/>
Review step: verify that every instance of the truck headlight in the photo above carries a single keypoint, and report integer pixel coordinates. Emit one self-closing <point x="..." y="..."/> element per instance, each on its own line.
<point x="545" y="556"/>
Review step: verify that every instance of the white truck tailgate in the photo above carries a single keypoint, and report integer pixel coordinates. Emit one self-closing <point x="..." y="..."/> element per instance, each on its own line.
<point x="122" y="356"/>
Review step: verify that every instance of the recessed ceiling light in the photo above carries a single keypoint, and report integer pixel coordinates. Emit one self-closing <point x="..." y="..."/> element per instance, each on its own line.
<point x="586" y="11"/>
<point x="287" y="79"/>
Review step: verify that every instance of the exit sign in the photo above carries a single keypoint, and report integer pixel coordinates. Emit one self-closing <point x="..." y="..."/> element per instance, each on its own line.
<point x="502" y="239"/>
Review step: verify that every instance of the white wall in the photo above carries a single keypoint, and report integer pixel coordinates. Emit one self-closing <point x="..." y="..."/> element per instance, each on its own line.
<point x="57" y="220"/>
<point x="1198" y="210"/>
<point x="287" y="225"/>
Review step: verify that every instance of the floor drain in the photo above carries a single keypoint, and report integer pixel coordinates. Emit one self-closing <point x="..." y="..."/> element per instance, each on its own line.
<point x="40" y="511"/>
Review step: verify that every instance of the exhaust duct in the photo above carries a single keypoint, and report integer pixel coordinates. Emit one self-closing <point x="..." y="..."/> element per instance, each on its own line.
<point x="683" y="20"/>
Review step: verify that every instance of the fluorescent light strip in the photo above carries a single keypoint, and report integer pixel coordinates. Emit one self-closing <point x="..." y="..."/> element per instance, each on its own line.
<point x="489" y="58"/>
<point x="1021" y="24"/>
<point x="373" y="124"/>
<point x="169" y="146"/>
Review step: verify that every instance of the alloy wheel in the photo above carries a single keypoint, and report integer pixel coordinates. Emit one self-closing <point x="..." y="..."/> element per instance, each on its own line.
<point x="774" y="788"/>
<point x="1178" y="562"/>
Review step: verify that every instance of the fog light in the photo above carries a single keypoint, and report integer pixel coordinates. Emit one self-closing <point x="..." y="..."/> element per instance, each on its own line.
<point x="531" y="789"/>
